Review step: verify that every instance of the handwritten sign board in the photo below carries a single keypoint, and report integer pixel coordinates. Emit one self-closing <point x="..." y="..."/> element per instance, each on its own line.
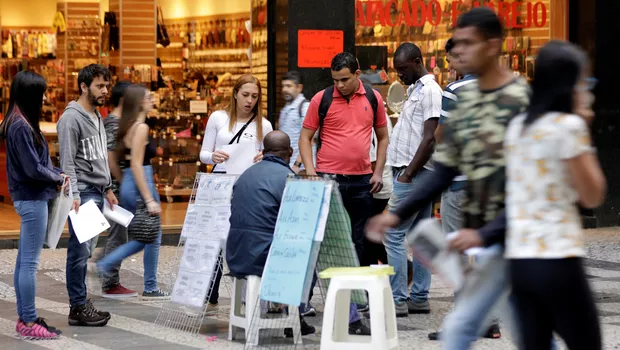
<point x="316" y="48"/>
<point x="287" y="265"/>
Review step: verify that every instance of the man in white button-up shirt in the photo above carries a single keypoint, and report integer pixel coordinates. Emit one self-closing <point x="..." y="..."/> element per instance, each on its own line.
<point x="409" y="155"/>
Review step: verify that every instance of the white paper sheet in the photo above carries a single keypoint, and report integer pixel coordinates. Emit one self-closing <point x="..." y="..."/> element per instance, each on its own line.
<point x="241" y="157"/>
<point x="320" y="229"/>
<point x="200" y="256"/>
<point x="88" y="222"/>
<point x="119" y="215"/>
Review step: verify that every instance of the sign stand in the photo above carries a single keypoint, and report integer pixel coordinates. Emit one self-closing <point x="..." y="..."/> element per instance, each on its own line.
<point x="313" y="232"/>
<point x="202" y="244"/>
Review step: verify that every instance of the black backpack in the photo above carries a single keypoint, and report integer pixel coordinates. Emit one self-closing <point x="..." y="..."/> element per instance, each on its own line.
<point x="328" y="97"/>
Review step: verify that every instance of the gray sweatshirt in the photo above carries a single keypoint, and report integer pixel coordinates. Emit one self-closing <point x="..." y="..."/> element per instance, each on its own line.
<point x="83" y="153"/>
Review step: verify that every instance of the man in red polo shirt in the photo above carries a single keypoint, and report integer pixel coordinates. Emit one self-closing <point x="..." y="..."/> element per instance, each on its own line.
<point x="345" y="140"/>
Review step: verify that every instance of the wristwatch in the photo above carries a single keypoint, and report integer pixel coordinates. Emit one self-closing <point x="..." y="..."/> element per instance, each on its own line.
<point x="297" y="164"/>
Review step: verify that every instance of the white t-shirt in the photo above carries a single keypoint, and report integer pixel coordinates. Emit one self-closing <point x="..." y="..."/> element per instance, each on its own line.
<point x="388" y="177"/>
<point x="543" y="219"/>
<point x="217" y="134"/>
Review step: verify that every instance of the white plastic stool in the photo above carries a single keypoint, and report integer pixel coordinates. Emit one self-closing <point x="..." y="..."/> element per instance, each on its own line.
<point x="249" y="322"/>
<point x="335" y="329"/>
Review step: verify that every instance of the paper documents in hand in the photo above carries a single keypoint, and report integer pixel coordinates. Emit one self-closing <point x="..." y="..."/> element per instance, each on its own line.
<point x="119" y="215"/>
<point x="429" y="244"/>
<point x="88" y="222"/>
<point x="241" y="156"/>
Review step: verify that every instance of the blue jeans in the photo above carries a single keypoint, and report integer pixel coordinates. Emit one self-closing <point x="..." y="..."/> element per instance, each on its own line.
<point x="32" y="230"/>
<point x="484" y="288"/>
<point x="79" y="253"/>
<point x="129" y="195"/>
<point x="451" y="204"/>
<point x="394" y="242"/>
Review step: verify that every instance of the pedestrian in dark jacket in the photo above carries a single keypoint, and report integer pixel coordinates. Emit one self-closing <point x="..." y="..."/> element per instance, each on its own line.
<point x="255" y="204"/>
<point x="33" y="182"/>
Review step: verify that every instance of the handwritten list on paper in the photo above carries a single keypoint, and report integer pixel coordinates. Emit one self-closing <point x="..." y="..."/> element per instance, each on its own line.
<point x="288" y="260"/>
<point x="316" y="48"/>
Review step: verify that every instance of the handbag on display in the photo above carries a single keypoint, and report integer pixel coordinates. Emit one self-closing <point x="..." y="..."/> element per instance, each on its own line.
<point x="162" y="32"/>
<point x="144" y="227"/>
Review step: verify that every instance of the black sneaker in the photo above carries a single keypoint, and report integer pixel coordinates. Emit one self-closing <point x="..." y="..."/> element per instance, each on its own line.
<point x="363" y="308"/>
<point x="41" y="321"/>
<point x="82" y="315"/>
<point x="493" y="332"/>
<point x="155" y="295"/>
<point x="305" y="329"/>
<point x="434" y="335"/>
<point x="89" y="304"/>
<point x="358" y="328"/>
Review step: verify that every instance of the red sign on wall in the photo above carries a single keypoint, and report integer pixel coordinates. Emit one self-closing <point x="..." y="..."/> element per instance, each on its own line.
<point x="416" y="13"/>
<point x="316" y="48"/>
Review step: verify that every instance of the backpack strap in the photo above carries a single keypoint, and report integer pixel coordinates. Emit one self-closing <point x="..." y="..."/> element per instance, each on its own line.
<point x="326" y="102"/>
<point x="300" y="107"/>
<point x="372" y="99"/>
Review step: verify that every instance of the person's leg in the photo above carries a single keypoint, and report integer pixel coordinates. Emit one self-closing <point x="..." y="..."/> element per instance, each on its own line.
<point x="451" y="216"/>
<point x="77" y="258"/>
<point x="421" y="274"/>
<point x="357" y="200"/>
<point x="575" y="317"/>
<point x="107" y="264"/>
<point x="151" y="261"/>
<point x="214" y="296"/>
<point x="485" y="286"/>
<point x="32" y="235"/>
<point x="375" y="252"/>
<point x="394" y="242"/>
<point x="117" y="236"/>
<point x="533" y="313"/>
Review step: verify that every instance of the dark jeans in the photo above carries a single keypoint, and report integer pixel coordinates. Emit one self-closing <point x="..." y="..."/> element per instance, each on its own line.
<point x="553" y="295"/>
<point x="357" y="200"/>
<point x="374" y="252"/>
<point x="78" y="254"/>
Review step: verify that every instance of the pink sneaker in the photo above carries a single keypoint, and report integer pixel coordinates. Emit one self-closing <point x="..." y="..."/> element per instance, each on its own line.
<point x="36" y="332"/>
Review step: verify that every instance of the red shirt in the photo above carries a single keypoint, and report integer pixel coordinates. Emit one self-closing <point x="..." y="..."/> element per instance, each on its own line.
<point x="346" y="134"/>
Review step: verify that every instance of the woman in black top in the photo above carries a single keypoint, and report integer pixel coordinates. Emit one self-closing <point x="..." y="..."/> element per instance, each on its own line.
<point x="138" y="192"/>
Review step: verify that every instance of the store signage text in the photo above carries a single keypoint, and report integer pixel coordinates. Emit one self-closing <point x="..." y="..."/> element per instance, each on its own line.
<point x="416" y="13"/>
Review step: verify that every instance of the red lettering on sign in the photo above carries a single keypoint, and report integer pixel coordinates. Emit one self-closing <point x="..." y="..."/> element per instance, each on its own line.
<point x="416" y="13"/>
<point x="540" y="7"/>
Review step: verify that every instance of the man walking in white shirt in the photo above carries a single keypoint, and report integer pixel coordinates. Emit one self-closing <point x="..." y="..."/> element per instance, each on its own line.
<point x="409" y="155"/>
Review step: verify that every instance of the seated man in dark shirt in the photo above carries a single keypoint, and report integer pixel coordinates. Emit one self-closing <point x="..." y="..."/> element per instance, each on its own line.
<point x="256" y="199"/>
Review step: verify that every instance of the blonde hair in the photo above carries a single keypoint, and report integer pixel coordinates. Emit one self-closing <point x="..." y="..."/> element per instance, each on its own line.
<point x="232" y="110"/>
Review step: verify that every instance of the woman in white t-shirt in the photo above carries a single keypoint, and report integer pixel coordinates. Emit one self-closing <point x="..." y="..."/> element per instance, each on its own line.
<point x="243" y="121"/>
<point x="551" y="168"/>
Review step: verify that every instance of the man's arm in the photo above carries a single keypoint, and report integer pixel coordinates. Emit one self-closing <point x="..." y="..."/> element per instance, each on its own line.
<point x="495" y="231"/>
<point x="305" y="150"/>
<point x="310" y="126"/>
<point x="424" y="152"/>
<point x="432" y="184"/>
<point x="68" y="139"/>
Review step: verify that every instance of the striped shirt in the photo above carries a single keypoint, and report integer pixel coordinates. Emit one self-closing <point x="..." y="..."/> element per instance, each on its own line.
<point x="291" y="121"/>
<point x="423" y="103"/>
<point x="448" y="103"/>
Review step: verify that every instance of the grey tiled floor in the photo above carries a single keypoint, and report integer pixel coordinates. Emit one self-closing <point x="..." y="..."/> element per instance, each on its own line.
<point x="132" y="324"/>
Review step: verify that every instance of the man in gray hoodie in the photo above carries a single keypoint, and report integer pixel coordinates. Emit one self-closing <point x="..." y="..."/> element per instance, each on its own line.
<point x="83" y="156"/>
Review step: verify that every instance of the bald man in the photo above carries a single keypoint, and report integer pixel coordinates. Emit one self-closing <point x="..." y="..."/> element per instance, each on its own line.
<point x="256" y="199"/>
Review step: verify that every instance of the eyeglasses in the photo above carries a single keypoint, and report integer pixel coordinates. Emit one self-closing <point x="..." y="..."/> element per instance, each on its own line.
<point x="591" y="83"/>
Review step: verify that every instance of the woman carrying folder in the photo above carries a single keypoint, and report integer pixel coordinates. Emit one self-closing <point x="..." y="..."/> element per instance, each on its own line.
<point x="33" y="182"/>
<point x="242" y="122"/>
<point x="137" y="190"/>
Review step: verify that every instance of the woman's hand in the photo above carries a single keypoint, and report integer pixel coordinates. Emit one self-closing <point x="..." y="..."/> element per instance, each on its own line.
<point x="219" y="156"/>
<point x="258" y="157"/>
<point x="153" y="207"/>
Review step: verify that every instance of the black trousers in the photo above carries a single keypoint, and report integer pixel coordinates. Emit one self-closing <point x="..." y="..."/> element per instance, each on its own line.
<point x="357" y="200"/>
<point x="374" y="252"/>
<point x="554" y="295"/>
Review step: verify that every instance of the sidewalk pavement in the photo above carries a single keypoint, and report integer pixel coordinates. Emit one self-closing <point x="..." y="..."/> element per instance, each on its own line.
<point x="132" y="324"/>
